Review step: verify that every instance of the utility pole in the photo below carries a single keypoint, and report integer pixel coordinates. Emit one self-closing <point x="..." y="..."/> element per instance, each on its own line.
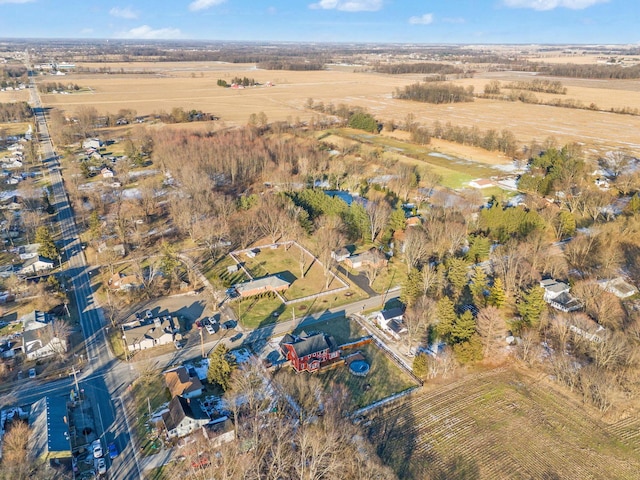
<point x="201" y="342"/>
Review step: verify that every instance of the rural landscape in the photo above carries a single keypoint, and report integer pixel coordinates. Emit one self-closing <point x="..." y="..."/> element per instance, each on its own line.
<point x="317" y="259"/>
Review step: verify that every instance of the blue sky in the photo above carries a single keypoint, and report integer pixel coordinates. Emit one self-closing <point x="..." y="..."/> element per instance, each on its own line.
<point x="415" y="21"/>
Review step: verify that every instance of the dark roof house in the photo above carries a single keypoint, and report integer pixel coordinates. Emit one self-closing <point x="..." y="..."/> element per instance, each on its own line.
<point x="184" y="417"/>
<point x="309" y="352"/>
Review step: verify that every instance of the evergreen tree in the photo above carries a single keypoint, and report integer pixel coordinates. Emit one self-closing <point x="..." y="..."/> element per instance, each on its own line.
<point x="221" y="366"/>
<point x="532" y="306"/>
<point x="457" y="275"/>
<point x="47" y="247"/>
<point x="463" y="328"/>
<point x="396" y="220"/>
<point x="478" y="286"/>
<point x="497" y="295"/>
<point x="420" y="365"/>
<point x="94" y="225"/>
<point x="469" y="351"/>
<point x="479" y="248"/>
<point x="411" y="288"/>
<point x="446" y="315"/>
<point x="363" y="121"/>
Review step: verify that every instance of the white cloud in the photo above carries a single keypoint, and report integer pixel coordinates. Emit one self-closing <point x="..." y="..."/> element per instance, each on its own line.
<point x="348" y="5"/>
<point x="204" y="4"/>
<point x="125" y="12"/>
<point x="16" y="1"/>
<point x="148" y="33"/>
<point x="425" y="19"/>
<point x="551" y="4"/>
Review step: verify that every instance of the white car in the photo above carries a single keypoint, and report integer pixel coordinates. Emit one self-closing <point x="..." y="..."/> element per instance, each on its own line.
<point x="32" y="373"/>
<point x="97" y="449"/>
<point x="101" y="466"/>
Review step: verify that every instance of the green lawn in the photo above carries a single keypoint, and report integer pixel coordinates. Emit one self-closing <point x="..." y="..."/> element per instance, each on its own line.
<point x="342" y="329"/>
<point x="149" y="389"/>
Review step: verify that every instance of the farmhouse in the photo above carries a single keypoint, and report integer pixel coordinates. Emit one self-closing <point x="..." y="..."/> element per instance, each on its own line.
<point x="270" y="283"/>
<point x="309" y="352"/>
<point x="180" y="383"/>
<point x="481" y="183"/>
<point x="391" y="321"/>
<point x="373" y="257"/>
<point x="557" y="295"/>
<point x="183" y="418"/>
<point x="144" y="334"/>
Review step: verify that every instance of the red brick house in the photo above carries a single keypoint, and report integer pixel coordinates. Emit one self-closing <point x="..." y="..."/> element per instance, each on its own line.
<point x="309" y="352"/>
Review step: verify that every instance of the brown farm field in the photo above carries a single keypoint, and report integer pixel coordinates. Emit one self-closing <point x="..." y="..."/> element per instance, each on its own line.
<point x="502" y="424"/>
<point x="192" y="85"/>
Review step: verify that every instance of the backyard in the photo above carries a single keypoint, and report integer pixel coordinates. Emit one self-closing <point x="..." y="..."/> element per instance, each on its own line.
<point x="383" y="380"/>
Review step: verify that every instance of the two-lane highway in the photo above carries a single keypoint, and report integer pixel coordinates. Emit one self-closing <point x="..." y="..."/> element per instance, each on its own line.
<point x="101" y="380"/>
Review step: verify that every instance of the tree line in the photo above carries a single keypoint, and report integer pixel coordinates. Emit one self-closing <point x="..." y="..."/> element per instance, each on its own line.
<point x="300" y="66"/>
<point x="539" y="85"/>
<point x="436" y="93"/>
<point x="424" y="67"/>
<point x="610" y="72"/>
<point x="15" y="112"/>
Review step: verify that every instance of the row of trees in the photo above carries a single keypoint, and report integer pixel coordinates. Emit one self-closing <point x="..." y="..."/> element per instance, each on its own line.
<point x="48" y="87"/>
<point x="434" y="92"/>
<point x="294" y="65"/>
<point x="423" y="67"/>
<point x="539" y="85"/>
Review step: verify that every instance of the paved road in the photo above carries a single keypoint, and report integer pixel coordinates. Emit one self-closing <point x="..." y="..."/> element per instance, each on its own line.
<point x="100" y="381"/>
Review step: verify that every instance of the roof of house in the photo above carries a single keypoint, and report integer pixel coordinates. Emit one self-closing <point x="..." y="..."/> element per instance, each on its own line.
<point x="179" y="382"/>
<point x="218" y="427"/>
<point x="618" y="286"/>
<point x="35" y="319"/>
<point x="37" y="258"/>
<point x="272" y="281"/>
<point x="554" y="286"/>
<point x="396" y="326"/>
<point x="392" y="313"/>
<point x="179" y="409"/>
<point x="304" y="346"/>
<point x="567" y="301"/>
<point x="136" y="331"/>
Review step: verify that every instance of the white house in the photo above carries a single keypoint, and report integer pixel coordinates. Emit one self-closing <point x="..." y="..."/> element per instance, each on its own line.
<point x="481" y="183"/>
<point x="391" y="321"/>
<point x="557" y="295"/>
<point x="36" y="264"/>
<point x="180" y="383"/>
<point x="183" y="418"/>
<point x="618" y="287"/>
<point x="42" y="342"/>
<point x="106" y="172"/>
<point x="144" y="334"/>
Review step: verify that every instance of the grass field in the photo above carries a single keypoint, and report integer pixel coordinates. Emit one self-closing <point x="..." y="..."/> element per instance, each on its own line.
<point x="502" y="424"/>
<point x="193" y="86"/>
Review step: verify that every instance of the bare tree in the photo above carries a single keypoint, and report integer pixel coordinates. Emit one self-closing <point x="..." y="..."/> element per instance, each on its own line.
<point x="415" y="248"/>
<point x="491" y="328"/>
<point x="417" y="319"/>
<point x="329" y="238"/>
<point x="378" y="212"/>
<point x="371" y="271"/>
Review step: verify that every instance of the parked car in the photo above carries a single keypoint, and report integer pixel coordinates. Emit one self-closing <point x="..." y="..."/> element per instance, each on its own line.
<point x="113" y="450"/>
<point x="32" y="373"/>
<point x="149" y="314"/>
<point x="229" y="324"/>
<point x="97" y="449"/>
<point x="101" y="466"/>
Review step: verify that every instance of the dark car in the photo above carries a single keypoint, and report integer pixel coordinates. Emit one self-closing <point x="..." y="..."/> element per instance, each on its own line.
<point x="113" y="451"/>
<point x="228" y="325"/>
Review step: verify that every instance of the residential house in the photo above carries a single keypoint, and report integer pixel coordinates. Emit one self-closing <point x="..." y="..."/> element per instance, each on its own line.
<point x="391" y="321"/>
<point x="341" y="254"/>
<point x="149" y="333"/>
<point x="13" y="203"/>
<point x="180" y="383"/>
<point x="42" y="342"/>
<point x="25" y="252"/>
<point x="49" y="433"/>
<point x="310" y="352"/>
<point x="35" y="265"/>
<point x="122" y="282"/>
<point x="219" y="431"/>
<point x="36" y="320"/>
<point x="270" y="283"/>
<point x="557" y="295"/>
<point x="619" y="287"/>
<point x="94" y="143"/>
<point x="183" y="418"/>
<point x="106" y="172"/>
<point x="372" y="257"/>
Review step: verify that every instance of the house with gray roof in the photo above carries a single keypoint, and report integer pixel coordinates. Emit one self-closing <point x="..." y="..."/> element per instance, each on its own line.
<point x="183" y="417"/>
<point x="270" y="283"/>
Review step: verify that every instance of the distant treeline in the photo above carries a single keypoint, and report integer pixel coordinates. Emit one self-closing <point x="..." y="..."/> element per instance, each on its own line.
<point x="426" y="68"/>
<point x="245" y="82"/>
<point x="539" y="85"/>
<point x="180" y="115"/>
<point x="13" y="76"/>
<point x="614" y="72"/>
<point x="435" y="93"/>
<point x="301" y="66"/>
<point x="15" y="112"/>
<point x="49" y="87"/>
